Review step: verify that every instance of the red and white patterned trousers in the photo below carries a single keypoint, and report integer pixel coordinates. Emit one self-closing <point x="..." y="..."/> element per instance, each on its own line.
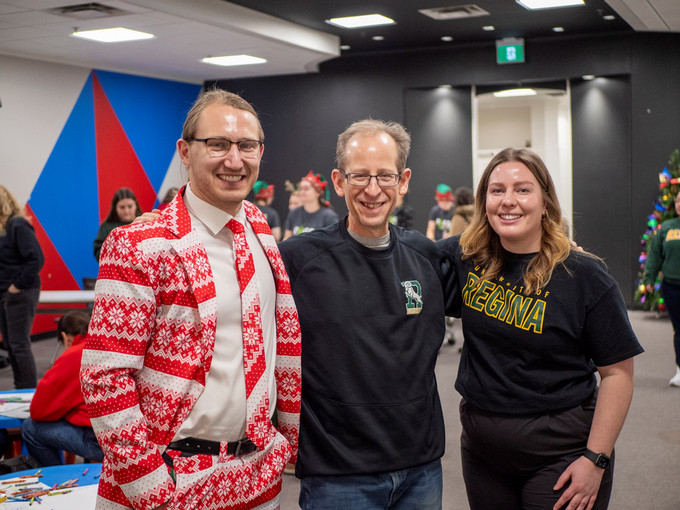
<point x="221" y="482"/>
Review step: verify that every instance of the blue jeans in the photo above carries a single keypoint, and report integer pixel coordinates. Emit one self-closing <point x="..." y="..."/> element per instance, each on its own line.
<point x="671" y="296"/>
<point x="417" y="488"/>
<point x="16" y="320"/>
<point x="45" y="441"/>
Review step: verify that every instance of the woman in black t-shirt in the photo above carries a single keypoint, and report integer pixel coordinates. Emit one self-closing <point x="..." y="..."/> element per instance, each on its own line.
<point x="539" y="319"/>
<point x="315" y="210"/>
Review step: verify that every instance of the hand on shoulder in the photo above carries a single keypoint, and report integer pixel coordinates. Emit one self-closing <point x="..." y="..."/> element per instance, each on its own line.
<point x="148" y="216"/>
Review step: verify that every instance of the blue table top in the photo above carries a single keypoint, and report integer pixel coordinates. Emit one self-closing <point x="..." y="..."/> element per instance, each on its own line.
<point x="10" y="422"/>
<point x="60" y="474"/>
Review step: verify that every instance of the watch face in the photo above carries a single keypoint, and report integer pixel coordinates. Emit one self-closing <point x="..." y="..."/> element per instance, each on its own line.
<point x="599" y="459"/>
<point x="602" y="461"/>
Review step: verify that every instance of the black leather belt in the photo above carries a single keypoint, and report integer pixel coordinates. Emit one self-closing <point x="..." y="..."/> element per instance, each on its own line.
<point x="194" y="446"/>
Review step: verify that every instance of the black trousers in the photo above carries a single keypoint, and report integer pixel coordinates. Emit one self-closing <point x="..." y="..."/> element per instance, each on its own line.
<point x="671" y="295"/>
<point x="16" y="320"/>
<point x="513" y="462"/>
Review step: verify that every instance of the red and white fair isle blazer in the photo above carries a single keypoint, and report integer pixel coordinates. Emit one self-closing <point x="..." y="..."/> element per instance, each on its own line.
<point x="148" y="354"/>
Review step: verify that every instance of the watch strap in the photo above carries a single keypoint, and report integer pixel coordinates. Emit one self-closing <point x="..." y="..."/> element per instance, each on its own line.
<point x="599" y="459"/>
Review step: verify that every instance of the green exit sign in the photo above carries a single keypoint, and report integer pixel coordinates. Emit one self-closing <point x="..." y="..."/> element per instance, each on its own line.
<point x="510" y="50"/>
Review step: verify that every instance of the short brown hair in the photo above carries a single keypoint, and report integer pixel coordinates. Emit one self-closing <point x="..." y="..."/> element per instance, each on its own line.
<point x="369" y="127"/>
<point x="73" y="322"/>
<point x="216" y="96"/>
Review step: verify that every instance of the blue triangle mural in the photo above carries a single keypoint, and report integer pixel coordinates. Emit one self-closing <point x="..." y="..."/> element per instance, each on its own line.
<point x="151" y="112"/>
<point x="65" y="198"/>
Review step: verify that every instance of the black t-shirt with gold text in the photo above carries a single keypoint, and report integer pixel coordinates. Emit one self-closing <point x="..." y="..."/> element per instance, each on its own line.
<point x="536" y="353"/>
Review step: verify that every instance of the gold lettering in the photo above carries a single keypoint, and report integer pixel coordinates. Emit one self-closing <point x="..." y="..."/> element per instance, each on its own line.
<point x="673" y="234"/>
<point x="481" y="294"/>
<point x="518" y="308"/>
<point x="469" y="287"/>
<point x="509" y="295"/>
<point x="534" y="319"/>
<point x="505" y="302"/>
<point x="495" y="302"/>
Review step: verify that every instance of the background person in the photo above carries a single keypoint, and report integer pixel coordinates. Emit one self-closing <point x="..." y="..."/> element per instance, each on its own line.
<point x="664" y="256"/>
<point x="402" y="215"/>
<point x="180" y="383"/>
<point x="124" y="209"/>
<point x="462" y="214"/>
<point x="538" y="320"/>
<point x="264" y="196"/>
<point x="294" y="195"/>
<point x="439" y="221"/>
<point x="21" y="260"/>
<point x="167" y="198"/>
<point x="315" y="211"/>
<point x="59" y="419"/>
<point x="372" y="429"/>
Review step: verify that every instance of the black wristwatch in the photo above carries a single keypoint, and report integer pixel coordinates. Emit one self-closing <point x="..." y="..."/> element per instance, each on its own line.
<point x="599" y="459"/>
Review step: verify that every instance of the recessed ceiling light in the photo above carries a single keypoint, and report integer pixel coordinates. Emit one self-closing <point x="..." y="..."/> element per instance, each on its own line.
<point x="588" y="77"/>
<point x="558" y="29"/>
<point x="345" y="47"/>
<point x="609" y="17"/>
<point x="233" y="60"/>
<point x="488" y="28"/>
<point x="447" y="38"/>
<point x="514" y="93"/>
<point x="367" y="20"/>
<point x="110" y="35"/>
<point x="548" y="4"/>
<point x="378" y="38"/>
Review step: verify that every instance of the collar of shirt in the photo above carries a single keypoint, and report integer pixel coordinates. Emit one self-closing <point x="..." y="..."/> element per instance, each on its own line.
<point x="376" y="243"/>
<point x="212" y="217"/>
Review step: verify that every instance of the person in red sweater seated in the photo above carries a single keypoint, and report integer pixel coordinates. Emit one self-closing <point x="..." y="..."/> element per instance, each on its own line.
<point x="59" y="419"/>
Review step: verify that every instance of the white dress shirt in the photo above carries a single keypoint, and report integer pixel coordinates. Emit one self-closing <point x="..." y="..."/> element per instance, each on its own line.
<point x="220" y="412"/>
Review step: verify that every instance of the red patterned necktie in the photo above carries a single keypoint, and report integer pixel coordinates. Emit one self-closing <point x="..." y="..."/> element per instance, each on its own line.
<point x="257" y="398"/>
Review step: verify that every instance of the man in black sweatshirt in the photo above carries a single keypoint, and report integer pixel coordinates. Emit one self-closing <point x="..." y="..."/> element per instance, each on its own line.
<point x="371" y="299"/>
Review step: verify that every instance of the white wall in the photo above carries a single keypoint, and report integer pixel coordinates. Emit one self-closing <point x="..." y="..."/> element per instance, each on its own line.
<point x="37" y="98"/>
<point x="541" y="123"/>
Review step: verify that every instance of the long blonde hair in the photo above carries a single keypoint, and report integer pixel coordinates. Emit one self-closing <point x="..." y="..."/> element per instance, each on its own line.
<point x="481" y="243"/>
<point x="9" y="207"/>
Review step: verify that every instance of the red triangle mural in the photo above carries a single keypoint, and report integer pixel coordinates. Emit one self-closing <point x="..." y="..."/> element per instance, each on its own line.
<point x="117" y="163"/>
<point x="54" y="275"/>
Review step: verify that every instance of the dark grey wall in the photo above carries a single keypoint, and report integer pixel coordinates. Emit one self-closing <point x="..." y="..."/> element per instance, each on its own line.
<point x="303" y="114"/>
<point x="439" y="121"/>
<point x="602" y="172"/>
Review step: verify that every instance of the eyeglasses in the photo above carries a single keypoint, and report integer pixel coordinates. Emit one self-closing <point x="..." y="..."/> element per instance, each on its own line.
<point x="218" y="147"/>
<point x="383" y="180"/>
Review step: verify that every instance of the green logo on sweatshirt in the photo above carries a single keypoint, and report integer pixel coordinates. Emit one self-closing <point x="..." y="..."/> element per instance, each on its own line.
<point x="414" y="296"/>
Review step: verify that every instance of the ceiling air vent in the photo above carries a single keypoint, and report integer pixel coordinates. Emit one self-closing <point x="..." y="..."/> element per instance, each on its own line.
<point x="454" y="12"/>
<point x="89" y="10"/>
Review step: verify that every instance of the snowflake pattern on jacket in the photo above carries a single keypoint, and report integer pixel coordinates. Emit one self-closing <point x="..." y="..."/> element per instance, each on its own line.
<point x="146" y="360"/>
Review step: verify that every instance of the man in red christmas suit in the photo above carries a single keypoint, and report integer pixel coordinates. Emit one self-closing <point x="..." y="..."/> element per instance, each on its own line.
<point x="163" y="371"/>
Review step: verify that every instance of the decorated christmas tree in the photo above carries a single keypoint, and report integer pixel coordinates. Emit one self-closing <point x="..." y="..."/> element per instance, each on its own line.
<point x="664" y="209"/>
